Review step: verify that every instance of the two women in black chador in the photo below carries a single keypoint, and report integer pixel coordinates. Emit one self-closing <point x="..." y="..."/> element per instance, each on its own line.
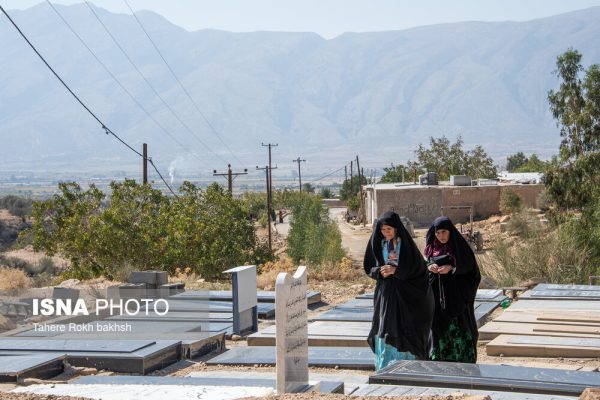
<point x="423" y="309"/>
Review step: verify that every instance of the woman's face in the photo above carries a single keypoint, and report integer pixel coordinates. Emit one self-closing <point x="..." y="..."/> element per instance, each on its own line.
<point x="442" y="235"/>
<point x="388" y="232"/>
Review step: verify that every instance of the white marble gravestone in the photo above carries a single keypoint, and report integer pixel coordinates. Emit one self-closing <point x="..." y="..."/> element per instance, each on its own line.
<point x="291" y="332"/>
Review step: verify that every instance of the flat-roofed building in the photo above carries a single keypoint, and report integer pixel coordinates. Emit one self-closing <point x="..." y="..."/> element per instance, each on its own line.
<point x="422" y="204"/>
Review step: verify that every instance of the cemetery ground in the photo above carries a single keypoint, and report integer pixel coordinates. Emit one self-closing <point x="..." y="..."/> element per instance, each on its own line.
<point x="337" y="284"/>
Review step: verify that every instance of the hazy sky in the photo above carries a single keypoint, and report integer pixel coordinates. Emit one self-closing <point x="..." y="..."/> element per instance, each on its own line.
<point x="330" y="18"/>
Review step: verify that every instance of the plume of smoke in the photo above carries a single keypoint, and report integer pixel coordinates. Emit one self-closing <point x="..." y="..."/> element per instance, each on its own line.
<point x="172" y="170"/>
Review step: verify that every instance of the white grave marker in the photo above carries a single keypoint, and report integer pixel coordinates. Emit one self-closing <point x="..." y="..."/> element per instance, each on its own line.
<point x="291" y="332"/>
<point x="245" y="303"/>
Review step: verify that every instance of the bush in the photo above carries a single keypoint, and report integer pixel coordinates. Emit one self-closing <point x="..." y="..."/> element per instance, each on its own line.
<point x="313" y="237"/>
<point x="8" y="235"/>
<point x="12" y="279"/>
<point x="44" y="266"/>
<point x="17" y="206"/>
<point x="524" y="224"/>
<point x="558" y="255"/>
<point x="15" y="263"/>
<point x="343" y="270"/>
<point x="354" y="203"/>
<point x="510" y="202"/>
<point x="326" y="193"/>
<point x="140" y="228"/>
<point x="543" y="201"/>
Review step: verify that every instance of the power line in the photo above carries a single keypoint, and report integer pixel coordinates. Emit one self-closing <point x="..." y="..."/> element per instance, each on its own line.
<point x="131" y="96"/>
<point x="329" y="174"/>
<point x="181" y="84"/>
<point x="104" y="127"/>
<point x="116" y="42"/>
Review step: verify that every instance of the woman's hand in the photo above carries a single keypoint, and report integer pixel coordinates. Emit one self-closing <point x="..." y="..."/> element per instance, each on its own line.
<point x="436" y="269"/>
<point x="387" y="270"/>
<point x="433" y="268"/>
<point x="444" y="269"/>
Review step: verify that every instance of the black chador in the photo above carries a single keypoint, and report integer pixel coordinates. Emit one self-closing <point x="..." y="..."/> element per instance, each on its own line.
<point x="403" y="301"/>
<point x="454" y="329"/>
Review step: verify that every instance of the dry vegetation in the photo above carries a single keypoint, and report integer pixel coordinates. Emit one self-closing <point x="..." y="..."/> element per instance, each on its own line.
<point x="344" y="271"/>
<point x="11" y="279"/>
<point x="523" y="246"/>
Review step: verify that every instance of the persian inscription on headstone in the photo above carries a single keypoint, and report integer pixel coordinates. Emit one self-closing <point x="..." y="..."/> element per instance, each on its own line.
<point x="291" y="332"/>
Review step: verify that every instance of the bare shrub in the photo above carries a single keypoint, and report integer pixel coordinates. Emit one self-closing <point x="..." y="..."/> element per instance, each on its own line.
<point x="524" y="224"/>
<point x="44" y="266"/>
<point x="553" y="255"/>
<point x="11" y="279"/>
<point x="268" y="271"/>
<point x="342" y="271"/>
<point x="15" y="262"/>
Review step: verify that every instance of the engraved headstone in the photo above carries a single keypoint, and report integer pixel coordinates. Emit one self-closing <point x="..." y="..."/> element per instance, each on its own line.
<point x="292" y="332"/>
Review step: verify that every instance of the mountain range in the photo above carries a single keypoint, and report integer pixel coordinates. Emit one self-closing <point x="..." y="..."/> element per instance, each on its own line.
<point x="375" y="94"/>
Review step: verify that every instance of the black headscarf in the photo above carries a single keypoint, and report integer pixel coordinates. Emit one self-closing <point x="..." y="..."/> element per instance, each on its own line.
<point x="458" y="247"/>
<point x="403" y="303"/>
<point x="410" y="256"/>
<point x="455" y="291"/>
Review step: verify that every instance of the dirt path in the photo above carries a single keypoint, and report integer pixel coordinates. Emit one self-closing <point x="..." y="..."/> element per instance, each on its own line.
<point x="354" y="237"/>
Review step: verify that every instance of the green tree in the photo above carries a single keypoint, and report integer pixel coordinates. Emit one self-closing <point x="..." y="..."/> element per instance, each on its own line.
<point x="446" y="158"/>
<point x="534" y="164"/>
<point x="478" y="164"/>
<point x="353" y="203"/>
<point x="510" y="202"/>
<point x="393" y="173"/>
<point x="576" y="108"/>
<point x="350" y="187"/>
<point x="326" y="193"/>
<point x="63" y="225"/>
<point x="313" y="237"/>
<point x="308" y="188"/>
<point x="515" y="161"/>
<point x="414" y="170"/>
<point x="141" y="228"/>
<point x="208" y="231"/>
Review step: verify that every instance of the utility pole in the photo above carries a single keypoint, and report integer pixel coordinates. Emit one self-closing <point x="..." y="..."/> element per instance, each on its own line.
<point x="145" y="165"/>
<point x="269" y="145"/>
<point x="299" y="160"/>
<point x="267" y="173"/>
<point x="351" y="184"/>
<point x="345" y="172"/>
<point x="362" y="205"/>
<point x="230" y="176"/>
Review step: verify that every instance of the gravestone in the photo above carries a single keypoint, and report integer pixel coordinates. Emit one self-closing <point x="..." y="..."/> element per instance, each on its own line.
<point x="292" y="332"/>
<point x="245" y="303"/>
<point x="65" y="293"/>
<point x="485" y="377"/>
<point x="152" y="278"/>
<point x="151" y="281"/>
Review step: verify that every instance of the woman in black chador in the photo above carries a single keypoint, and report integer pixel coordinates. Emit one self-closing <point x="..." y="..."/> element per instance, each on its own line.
<point x="403" y="299"/>
<point x="454" y="278"/>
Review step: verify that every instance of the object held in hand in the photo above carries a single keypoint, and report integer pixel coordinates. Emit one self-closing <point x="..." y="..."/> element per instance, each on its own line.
<point x="443" y="260"/>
